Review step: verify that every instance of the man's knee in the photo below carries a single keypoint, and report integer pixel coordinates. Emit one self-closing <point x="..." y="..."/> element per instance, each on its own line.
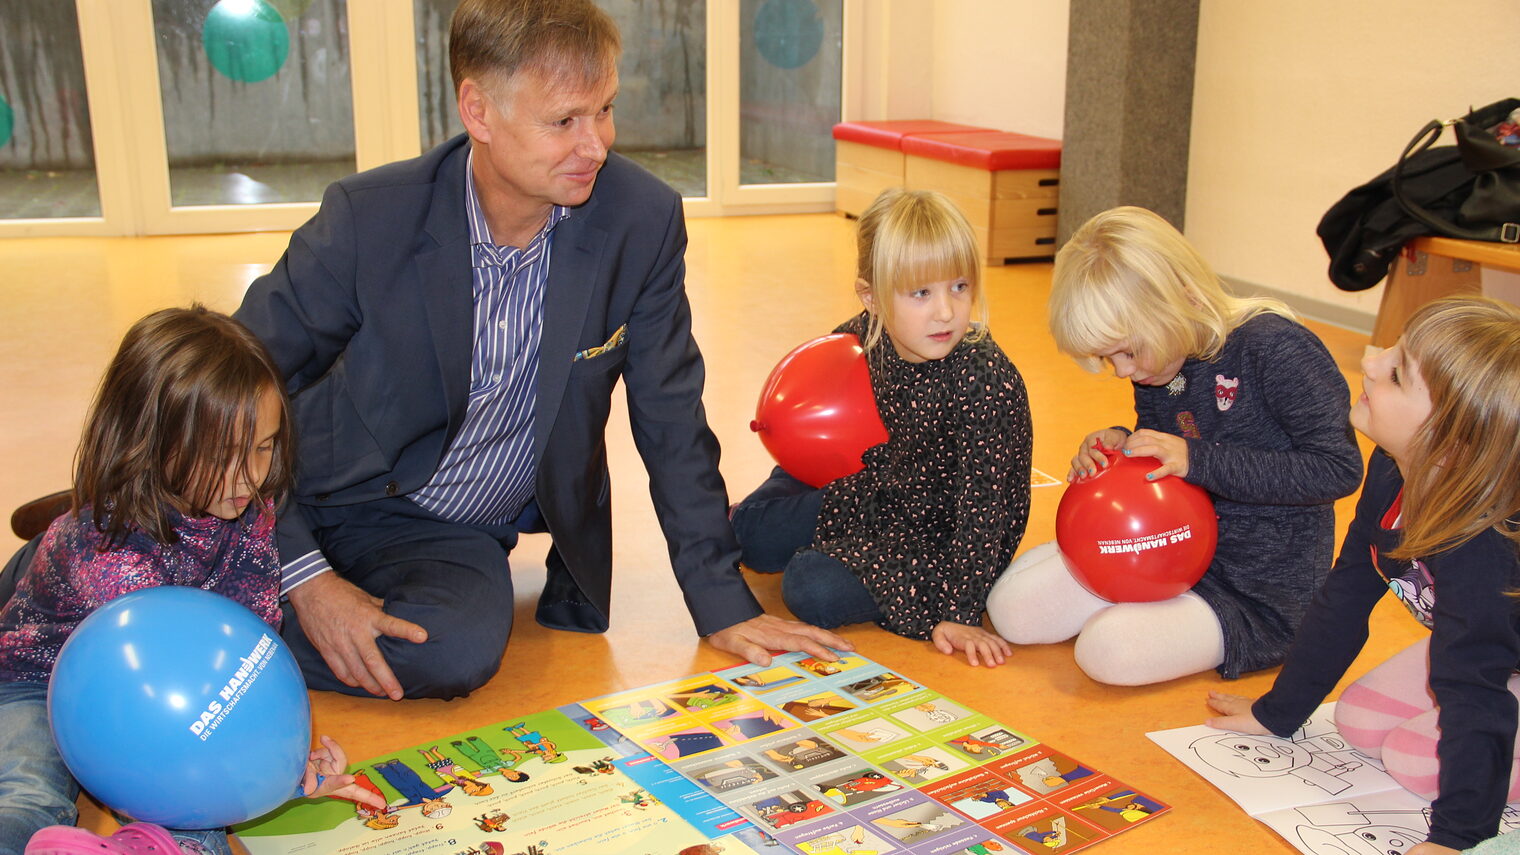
<point x="450" y="664"/>
<point x="465" y="604"/>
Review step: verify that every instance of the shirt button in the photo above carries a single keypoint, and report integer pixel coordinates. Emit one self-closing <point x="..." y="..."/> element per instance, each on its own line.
<point x="495" y="378"/>
<point x="501" y="324"/>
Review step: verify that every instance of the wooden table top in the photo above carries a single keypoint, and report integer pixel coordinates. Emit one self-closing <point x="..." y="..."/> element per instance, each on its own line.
<point x="1484" y="252"/>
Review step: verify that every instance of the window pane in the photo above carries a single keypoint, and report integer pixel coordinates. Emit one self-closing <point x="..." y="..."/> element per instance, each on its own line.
<point x="47" y="155"/>
<point x="258" y="103"/>
<point x="438" y="117"/>
<point x="789" y="89"/>
<point x="662" y="91"/>
<point x="662" y="98"/>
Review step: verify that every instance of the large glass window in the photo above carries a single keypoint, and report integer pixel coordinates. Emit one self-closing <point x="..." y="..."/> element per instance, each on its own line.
<point x="47" y="153"/>
<point x="257" y="98"/>
<point x="790" y="77"/>
<point x="662" y="94"/>
<point x="437" y="115"/>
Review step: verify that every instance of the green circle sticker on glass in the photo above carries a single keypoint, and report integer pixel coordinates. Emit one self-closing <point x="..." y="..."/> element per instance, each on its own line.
<point x="788" y="33"/>
<point x="245" y="39"/>
<point x="7" y="121"/>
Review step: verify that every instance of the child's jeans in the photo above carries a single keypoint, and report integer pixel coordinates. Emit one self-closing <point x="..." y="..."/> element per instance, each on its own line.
<point x="775" y="525"/>
<point x="36" y="789"/>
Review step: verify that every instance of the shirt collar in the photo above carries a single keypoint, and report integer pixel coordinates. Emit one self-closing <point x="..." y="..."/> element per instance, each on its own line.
<point x="484" y="250"/>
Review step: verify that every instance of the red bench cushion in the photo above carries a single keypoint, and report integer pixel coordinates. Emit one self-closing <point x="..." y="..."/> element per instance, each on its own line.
<point x="993" y="152"/>
<point x="890" y="134"/>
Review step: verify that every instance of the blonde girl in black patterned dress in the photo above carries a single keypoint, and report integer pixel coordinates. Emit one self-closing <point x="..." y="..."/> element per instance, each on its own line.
<point x="915" y="539"/>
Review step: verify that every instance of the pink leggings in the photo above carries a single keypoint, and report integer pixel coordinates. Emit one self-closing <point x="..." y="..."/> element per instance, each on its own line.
<point x="1389" y="714"/>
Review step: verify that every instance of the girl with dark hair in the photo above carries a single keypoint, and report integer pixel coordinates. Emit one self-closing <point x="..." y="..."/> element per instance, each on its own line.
<point x="185" y="452"/>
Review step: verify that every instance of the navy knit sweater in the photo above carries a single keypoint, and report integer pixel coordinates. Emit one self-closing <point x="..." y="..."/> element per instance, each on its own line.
<point x="1268" y="433"/>
<point x="1462" y="594"/>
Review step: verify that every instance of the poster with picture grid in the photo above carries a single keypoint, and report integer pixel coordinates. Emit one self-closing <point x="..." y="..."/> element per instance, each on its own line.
<point x="826" y="758"/>
<point x="852" y="757"/>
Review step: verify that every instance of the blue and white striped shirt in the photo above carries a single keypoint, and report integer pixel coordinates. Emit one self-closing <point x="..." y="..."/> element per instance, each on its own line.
<point x="486" y="474"/>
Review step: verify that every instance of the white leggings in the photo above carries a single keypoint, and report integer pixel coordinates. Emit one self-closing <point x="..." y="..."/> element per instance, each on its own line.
<point x="1038" y="601"/>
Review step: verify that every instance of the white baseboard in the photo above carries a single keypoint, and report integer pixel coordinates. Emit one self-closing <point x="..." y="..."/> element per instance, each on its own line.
<point x="1356" y="320"/>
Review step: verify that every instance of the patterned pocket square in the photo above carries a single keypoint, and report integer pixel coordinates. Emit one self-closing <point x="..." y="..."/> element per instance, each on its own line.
<point x="619" y="338"/>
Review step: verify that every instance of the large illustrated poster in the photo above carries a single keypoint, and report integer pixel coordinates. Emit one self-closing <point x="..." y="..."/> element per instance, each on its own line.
<point x="1316" y="791"/>
<point x="823" y="758"/>
<point x="542" y="785"/>
<point x="846" y="757"/>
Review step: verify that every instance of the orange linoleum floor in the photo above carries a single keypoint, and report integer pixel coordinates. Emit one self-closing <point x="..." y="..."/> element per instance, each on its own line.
<point x="758" y="287"/>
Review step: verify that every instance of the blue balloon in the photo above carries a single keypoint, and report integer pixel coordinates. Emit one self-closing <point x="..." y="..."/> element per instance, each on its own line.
<point x="178" y="706"/>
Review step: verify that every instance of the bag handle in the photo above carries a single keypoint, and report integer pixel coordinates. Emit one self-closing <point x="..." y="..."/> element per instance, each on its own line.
<point x="1507" y="233"/>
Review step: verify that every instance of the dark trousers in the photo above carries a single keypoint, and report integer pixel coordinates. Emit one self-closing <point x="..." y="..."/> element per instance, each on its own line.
<point x="775" y="526"/>
<point x="449" y="578"/>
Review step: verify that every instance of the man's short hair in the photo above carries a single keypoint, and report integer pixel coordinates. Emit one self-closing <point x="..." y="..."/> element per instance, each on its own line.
<point x="574" y="41"/>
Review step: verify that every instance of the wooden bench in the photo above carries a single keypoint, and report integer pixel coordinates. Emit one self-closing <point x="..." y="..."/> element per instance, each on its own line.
<point x="1007" y="184"/>
<point x="868" y="157"/>
<point x="1432" y="267"/>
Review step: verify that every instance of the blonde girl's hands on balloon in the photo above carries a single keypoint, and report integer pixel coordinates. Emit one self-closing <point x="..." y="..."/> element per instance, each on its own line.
<point x="1170" y="450"/>
<point x="1090" y="457"/>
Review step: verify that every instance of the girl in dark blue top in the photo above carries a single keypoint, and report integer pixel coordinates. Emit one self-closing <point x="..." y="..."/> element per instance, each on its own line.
<point x="1436" y="526"/>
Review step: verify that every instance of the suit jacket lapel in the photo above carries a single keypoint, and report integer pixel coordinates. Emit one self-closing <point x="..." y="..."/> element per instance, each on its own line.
<point x="448" y="286"/>
<point x="574" y="271"/>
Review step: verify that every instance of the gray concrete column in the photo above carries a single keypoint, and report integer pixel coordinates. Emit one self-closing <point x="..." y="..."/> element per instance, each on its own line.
<point x="1129" y="105"/>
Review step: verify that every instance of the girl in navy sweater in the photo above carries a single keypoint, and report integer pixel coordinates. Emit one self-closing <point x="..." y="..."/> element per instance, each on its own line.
<point x="1231" y="394"/>
<point x="1436" y="525"/>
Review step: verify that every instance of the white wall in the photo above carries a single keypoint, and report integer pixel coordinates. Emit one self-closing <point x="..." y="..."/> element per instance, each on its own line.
<point x="1001" y="64"/>
<point x="995" y="63"/>
<point x="1298" y="101"/>
<point x="1295" y="103"/>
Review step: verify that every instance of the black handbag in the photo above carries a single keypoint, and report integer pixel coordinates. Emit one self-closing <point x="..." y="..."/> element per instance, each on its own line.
<point x="1491" y="209"/>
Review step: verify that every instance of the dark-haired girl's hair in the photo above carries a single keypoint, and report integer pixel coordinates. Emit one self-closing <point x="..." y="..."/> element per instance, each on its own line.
<point x="176" y="410"/>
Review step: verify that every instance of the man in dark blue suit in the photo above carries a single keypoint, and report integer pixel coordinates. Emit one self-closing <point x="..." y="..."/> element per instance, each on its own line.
<point x="451" y="329"/>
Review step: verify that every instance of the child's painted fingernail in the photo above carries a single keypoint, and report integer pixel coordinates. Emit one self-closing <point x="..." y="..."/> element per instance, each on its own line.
<point x="1150" y="476"/>
<point x="1126" y="452"/>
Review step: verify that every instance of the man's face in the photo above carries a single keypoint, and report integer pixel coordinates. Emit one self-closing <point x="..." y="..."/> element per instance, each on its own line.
<point x="545" y="141"/>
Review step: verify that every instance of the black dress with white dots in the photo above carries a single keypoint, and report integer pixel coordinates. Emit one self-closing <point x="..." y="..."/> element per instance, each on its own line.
<point x="936" y="514"/>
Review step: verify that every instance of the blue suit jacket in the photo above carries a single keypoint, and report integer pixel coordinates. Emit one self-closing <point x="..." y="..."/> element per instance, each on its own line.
<point x="369" y="314"/>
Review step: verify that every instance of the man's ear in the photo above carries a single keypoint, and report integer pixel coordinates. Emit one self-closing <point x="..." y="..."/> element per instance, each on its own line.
<point x="474" y="102"/>
<point x="863" y="291"/>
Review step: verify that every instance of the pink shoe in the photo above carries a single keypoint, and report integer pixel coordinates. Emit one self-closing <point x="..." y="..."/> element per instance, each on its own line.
<point x="138" y="838"/>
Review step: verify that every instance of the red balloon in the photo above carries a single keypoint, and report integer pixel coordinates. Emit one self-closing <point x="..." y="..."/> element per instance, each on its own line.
<point x="1129" y="540"/>
<point x="817" y="413"/>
